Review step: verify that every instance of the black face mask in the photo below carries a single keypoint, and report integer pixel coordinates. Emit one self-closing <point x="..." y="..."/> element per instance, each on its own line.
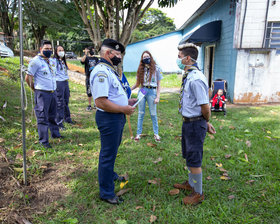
<point x="115" y="60"/>
<point x="146" y="60"/>
<point x="91" y="52"/>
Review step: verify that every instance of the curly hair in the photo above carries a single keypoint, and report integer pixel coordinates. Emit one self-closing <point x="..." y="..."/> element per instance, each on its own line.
<point x="141" y="69"/>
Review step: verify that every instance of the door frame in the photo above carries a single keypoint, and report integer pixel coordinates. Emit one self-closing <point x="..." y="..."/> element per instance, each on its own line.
<point x="209" y="56"/>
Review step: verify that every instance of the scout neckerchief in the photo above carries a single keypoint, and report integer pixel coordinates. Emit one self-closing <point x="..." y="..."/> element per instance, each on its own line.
<point x="185" y="75"/>
<point x="47" y="60"/>
<point x="108" y="64"/>
<point x="147" y="71"/>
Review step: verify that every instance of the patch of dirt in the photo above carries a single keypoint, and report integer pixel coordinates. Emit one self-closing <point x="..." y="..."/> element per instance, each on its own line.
<point x="19" y="202"/>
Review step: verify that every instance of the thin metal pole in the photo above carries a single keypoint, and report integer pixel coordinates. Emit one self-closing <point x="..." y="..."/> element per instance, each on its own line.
<point x="22" y="92"/>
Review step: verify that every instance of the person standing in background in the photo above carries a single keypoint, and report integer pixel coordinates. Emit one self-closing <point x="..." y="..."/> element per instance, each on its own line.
<point x="62" y="90"/>
<point x="42" y="69"/>
<point x="89" y="60"/>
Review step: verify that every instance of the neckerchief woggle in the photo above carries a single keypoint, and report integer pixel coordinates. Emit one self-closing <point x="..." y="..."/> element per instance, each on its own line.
<point x="184" y="79"/>
<point x="108" y="64"/>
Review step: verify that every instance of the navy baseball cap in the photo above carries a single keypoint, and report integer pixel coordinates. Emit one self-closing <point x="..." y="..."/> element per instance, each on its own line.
<point x="113" y="44"/>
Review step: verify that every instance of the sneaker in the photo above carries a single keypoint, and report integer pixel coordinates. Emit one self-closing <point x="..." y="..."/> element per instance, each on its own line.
<point x="212" y="108"/>
<point x="157" y="138"/>
<point x="185" y="186"/>
<point x="137" y="138"/>
<point x="220" y="109"/>
<point x="89" y="108"/>
<point x="193" y="199"/>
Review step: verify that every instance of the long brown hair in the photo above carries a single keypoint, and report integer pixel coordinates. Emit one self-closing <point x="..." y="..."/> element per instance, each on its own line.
<point x="140" y="71"/>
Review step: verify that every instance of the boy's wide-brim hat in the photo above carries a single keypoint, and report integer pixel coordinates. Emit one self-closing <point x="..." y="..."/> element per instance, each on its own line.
<point x="113" y="44"/>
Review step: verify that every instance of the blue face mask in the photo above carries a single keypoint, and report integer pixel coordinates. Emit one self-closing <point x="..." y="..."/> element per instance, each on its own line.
<point x="146" y="60"/>
<point x="180" y="64"/>
<point x="47" y="53"/>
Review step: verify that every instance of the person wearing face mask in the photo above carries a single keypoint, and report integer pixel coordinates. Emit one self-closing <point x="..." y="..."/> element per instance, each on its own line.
<point x="112" y="105"/>
<point x="148" y="77"/>
<point x="42" y="69"/>
<point x="89" y="60"/>
<point x="195" y="110"/>
<point x="62" y="90"/>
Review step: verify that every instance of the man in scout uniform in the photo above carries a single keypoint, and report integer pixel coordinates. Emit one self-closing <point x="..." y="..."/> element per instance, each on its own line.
<point x="42" y="69"/>
<point x="112" y="105"/>
<point x="194" y="107"/>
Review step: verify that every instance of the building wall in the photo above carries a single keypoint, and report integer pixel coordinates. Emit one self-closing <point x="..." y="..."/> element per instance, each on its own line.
<point x="163" y="48"/>
<point x="257" y="73"/>
<point x="254" y="17"/>
<point x="225" y="54"/>
<point x="257" y="77"/>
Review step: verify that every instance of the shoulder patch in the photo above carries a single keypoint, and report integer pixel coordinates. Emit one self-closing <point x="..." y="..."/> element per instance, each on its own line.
<point x="102" y="75"/>
<point x="100" y="79"/>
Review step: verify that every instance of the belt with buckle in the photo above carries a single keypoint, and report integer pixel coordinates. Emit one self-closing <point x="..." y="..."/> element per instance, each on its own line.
<point x="150" y="87"/>
<point x="190" y="119"/>
<point x="47" y="91"/>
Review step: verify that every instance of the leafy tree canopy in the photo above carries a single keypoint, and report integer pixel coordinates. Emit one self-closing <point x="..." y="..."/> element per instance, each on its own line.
<point x="154" y="23"/>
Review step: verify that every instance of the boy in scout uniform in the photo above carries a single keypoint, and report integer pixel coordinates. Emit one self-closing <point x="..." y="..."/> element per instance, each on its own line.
<point x="194" y="107"/>
<point x="42" y="69"/>
<point x="112" y="102"/>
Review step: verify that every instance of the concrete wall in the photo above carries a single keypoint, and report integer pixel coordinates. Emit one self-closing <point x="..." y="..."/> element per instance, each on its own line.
<point x="254" y="22"/>
<point x="163" y="48"/>
<point x="257" y="73"/>
<point x="225" y="54"/>
<point x="257" y="77"/>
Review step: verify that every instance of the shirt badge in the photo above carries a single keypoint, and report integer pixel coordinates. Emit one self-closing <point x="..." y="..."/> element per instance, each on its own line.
<point x="101" y="79"/>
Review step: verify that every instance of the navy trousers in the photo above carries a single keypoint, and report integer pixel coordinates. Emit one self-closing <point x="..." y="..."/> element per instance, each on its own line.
<point x="63" y="94"/>
<point x="110" y="126"/>
<point x="45" y="110"/>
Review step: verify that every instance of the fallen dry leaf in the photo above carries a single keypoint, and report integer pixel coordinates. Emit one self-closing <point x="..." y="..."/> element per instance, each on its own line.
<point x="221" y="127"/>
<point x="214" y="117"/>
<point x="225" y="174"/>
<point x="158" y="160"/>
<point x="153" y="218"/>
<point x="151" y="144"/>
<point x="126" y="176"/>
<point x="231" y="197"/>
<point x="227" y="156"/>
<point x="246" y="157"/>
<point x="212" y="158"/>
<point x="18" y="146"/>
<point x="223" y="170"/>
<point x="2" y="140"/>
<point x="138" y="207"/>
<point x="154" y="208"/>
<point x="185" y="167"/>
<point x="225" y="146"/>
<point x="178" y="137"/>
<point x="248" y="143"/>
<point x="19" y="157"/>
<point x="44" y="167"/>
<point x="208" y="178"/>
<point x="250" y="181"/>
<point x="176" y="154"/>
<point x="211" y="136"/>
<point x="70" y="153"/>
<point x="219" y="165"/>
<point x="123" y="191"/>
<point x="224" y="178"/>
<point x="231" y="127"/>
<point x="174" y="192"/>
<point x="80" y="144"/>
<point x="154" y="181"/>
<point x="30" y="153"/>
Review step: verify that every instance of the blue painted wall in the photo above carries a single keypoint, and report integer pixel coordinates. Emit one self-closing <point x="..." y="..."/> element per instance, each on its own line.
<point x="225" y="55"/>
<point x="163" y="48"/>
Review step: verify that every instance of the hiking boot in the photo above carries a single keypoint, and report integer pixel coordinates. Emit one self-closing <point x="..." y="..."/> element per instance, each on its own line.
<point x="193" y="199"/>
<point x="185" y="186"/>
<point x="88" y="108"/>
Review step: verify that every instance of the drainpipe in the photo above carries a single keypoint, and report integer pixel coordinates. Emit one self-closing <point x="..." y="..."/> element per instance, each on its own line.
<point x="243" y="22"/>
<point x="265" y="27"/>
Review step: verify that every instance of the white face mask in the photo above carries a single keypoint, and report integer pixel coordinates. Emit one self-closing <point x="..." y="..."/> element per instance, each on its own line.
<point x="61" y="54"/>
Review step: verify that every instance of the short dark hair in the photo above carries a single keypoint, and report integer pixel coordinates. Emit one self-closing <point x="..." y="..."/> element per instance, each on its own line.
<point x="91" y="48"/>
<point x="44" y="42"/>
<point x="190" y="51"/>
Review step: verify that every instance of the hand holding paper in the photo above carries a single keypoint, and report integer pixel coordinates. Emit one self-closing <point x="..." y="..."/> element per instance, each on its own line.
<point x="140" y="96"/>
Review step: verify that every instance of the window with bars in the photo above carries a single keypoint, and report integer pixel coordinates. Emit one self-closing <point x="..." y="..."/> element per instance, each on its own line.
<point x="272" y="39"/>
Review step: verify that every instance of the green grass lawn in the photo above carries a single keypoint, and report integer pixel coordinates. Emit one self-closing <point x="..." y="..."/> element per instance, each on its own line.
<point x="247" y="145"/>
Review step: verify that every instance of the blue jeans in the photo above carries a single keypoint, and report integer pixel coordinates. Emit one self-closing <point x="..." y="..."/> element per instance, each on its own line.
<point x="150" y="98"/>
